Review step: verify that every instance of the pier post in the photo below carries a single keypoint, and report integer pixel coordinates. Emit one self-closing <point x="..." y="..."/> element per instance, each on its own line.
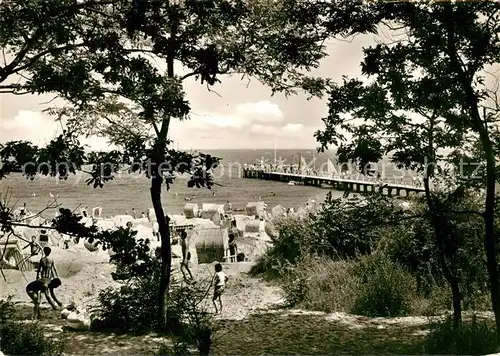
<point x="338" y="183"/>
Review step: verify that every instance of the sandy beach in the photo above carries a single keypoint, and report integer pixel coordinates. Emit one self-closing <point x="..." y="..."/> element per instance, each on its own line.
<point x="85" y="273"/>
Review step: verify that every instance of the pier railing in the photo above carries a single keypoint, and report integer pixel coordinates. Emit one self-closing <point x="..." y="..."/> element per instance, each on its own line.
<point x="360" y="184"/>
<point x="402" y="182"/>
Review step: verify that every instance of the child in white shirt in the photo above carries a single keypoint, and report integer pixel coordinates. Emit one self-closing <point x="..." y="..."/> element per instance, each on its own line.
<point x="219" y="280"/>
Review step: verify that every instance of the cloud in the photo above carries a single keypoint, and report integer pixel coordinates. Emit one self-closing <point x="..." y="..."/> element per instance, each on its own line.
<point x="245" y="125"/>
<point x="98" y="143"/>
<point x="265" y="130"/>
<point x="262" y="111"/>
<point x="243" y="116"/>
<point x="289" y="130"/>
<point x="293" y="127"/>
<point x="25" y="120"/>
<point x="40" y="129"/>
<point x="29" y="125"/>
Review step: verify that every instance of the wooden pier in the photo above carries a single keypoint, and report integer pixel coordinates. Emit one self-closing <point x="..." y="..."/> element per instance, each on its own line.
<point x="337" y="183"/>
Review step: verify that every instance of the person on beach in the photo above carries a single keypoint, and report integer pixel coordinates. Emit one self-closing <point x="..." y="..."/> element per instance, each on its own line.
<point x="186" y="256"/>
<point x="46" y="271"/>
<point x="35" y="248"/>
<point x="233" y="249"/>
<point x="219" y="281"/>
<point x="228" y="207"/>
<point x="35" y="289"/>
<point x="156" y="232"/>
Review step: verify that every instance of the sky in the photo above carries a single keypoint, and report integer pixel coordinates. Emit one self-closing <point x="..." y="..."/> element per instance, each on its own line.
<point x="240" y="115"/>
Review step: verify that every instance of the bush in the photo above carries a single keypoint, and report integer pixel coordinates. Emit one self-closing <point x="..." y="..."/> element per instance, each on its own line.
<point x="468" y="338"/>
<point x="319" y="283"/>
<point x="197" y="326"/>
<point x="373" y="286"/>
<point x="24" y="339"/>
<point x="179" y="349"/>
<point x="386" y="290"/>
<point x="131" y="308"/>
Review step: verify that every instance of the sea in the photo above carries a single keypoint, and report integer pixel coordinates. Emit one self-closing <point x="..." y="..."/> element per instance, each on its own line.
<point x="131" y="191"/>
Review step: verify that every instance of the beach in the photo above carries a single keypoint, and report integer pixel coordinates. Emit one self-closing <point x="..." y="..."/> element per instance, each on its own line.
<point x="85" y="273"/>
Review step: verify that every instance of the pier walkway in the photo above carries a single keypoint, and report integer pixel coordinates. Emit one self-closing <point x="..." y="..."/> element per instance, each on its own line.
<point x="337" y="182"/>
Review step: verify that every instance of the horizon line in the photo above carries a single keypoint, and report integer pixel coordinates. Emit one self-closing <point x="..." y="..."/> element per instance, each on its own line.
<point x="252" y="149"/>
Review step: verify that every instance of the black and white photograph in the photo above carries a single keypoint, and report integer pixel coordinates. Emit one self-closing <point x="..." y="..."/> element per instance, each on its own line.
<point x="249" y="177"/>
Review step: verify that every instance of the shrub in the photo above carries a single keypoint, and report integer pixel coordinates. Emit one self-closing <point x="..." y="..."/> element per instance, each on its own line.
<point x="347" y="228"/>
<point x="130" y="308"/>
<point x="197" y="326"/>
<point x="293" y="242"/>
<point x="179" y="349"/>
<point x="24" y="339"/>
<point x="386" y="290"/>
<point x="319" y="283"/>
<point x="133" y="308"/>
<point x="468" y="338"/>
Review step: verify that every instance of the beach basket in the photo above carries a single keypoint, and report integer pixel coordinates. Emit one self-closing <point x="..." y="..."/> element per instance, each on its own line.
<point x="255" y="208"/>
<point x="209" y="210"/>
<point x="190" y="210"/>
<point x="278" y="210"/>
<point x="211" y="244"/>
<point x="25" y="264"/>
<point x="271" y="231"/>
<point x="254" y="226"/>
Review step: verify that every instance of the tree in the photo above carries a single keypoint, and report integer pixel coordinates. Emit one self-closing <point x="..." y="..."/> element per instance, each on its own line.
<point x="39" y="30"/>
<point x="112" y="83"/>
<point x="434" y="70"/>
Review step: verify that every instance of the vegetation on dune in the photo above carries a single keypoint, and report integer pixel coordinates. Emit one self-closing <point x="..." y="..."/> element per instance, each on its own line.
<point x="19" y="338"/>
<point x="395" y="271"/>
<point x="427" y="92"/>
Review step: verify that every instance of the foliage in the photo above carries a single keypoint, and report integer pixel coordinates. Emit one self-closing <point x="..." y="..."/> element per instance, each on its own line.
<point x="197" y="323"/>
<point x="295" y="240"/>
<point x="418" y="102"/>
<point x="133" y="306"/>
<point x="7" y="311"/>
<point x="17" y="338"/>
<point x="340" y="228"/>
<point x="130" y="308"/>
<point x="346" y="228"/>
<point x="386" y="288"/>
<point x="318" y="283"/>
<point x="178" y="349"/>
<point x="469" y="338"/>
<point x="313" y="276"/>
<point x="104" y="59"/>
<point x="372" y="286"/>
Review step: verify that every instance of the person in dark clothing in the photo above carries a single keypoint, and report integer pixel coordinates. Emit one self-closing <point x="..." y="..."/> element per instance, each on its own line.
<point x="35" y="290"/>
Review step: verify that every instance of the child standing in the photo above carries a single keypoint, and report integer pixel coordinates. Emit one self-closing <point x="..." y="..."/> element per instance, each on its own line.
<point x="186" y="256"/>
<point x="220" y="280"/>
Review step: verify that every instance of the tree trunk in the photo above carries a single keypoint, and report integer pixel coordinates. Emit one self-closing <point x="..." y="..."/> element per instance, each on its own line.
<point x="440" y="224"/>
<point x="489" y="235"/>
<point x="441" y="231"/>
<point x="481" y="127"/>
<point x="166" y="256"/>
<point x="156" y="183"/>
<point x="457" y="301"/>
